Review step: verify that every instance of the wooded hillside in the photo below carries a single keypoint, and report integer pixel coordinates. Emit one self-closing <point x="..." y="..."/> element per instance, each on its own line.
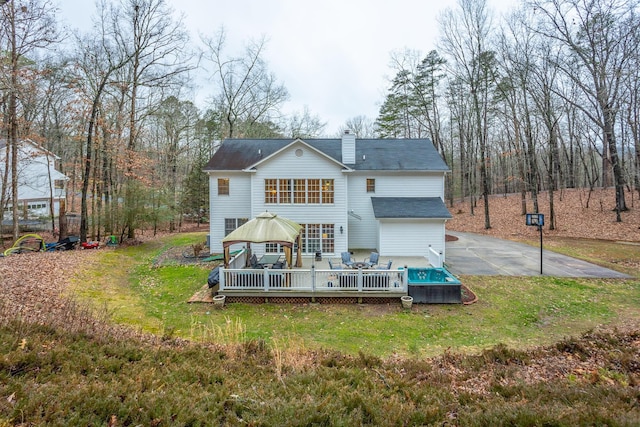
<point x="578" y="214"/>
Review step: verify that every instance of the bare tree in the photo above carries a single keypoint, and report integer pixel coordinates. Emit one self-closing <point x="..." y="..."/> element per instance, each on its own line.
<point x="632" y="114"/>
<point x="249" y="93"/>
<point x="174" y="121"/>
<point x="25" y="26"/>
<point x="97" y="60"/>
<point x="599" y="38"/>
<point x="362" y="126"/>
<point x="466" y="39"/>
<point x="517" y="65"/>
<point x="155" y="42"/>
<point x="303" y="125"/>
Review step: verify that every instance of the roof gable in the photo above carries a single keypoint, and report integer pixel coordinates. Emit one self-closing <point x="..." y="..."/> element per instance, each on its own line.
<point x="296" y="142"/>
<point x="26" y="143"/>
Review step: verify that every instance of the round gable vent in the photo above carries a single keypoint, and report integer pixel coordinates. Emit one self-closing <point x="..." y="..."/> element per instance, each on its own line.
<point x="299" y="152"/>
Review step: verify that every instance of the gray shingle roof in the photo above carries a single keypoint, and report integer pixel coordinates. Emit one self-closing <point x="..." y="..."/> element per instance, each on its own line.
<point x="371" y="154"/>
<point x="409" y="207"/>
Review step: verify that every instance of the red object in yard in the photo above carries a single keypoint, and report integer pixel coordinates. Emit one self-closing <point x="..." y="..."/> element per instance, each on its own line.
<point x="90" y="245"/>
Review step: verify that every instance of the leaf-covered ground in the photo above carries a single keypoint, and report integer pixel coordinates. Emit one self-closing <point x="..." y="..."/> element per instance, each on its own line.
<point x="578" y="213"/>
<point x="32" y="283"/>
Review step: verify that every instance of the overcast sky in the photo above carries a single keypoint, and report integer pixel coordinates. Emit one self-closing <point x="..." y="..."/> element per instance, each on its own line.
<point x="332" y="55"/>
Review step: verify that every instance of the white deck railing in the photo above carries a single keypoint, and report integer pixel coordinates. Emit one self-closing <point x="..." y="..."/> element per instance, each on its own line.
<point x="239" y="260"/>
<point x="312" y="280"/>
<point x="435" y="258"/>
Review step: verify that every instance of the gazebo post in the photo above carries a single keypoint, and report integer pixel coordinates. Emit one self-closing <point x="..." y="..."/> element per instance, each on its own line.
<point x="299" y="251"/>
<point x="225" y="251"/>
<point x="247" y="258"/>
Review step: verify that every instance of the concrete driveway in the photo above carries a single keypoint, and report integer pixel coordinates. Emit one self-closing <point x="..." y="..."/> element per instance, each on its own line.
<point x="481" y="255"/>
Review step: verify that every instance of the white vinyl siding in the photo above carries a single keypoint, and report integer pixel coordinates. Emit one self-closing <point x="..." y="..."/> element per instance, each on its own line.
<point x="363" y="233"/>
<point x="38" y="178"/>
<point x="309" y="166"/>
<point x="236" y="205"/>
<point x="411" y="237"/>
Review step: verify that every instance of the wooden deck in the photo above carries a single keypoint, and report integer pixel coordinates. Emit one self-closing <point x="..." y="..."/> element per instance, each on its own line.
<point x="315" y="283"/>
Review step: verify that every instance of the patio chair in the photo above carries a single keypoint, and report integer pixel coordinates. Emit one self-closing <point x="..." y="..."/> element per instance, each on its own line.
<point x="385" y="267"/>
<point x="332" y="266"/>
<point x="373" y="259"/>
<point x="346" y="259"/>
<point x="253" y="261"/>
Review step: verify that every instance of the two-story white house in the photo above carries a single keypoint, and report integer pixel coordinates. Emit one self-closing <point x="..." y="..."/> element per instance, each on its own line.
<point x="378" y="194"/>
<point x="39" y="182"/>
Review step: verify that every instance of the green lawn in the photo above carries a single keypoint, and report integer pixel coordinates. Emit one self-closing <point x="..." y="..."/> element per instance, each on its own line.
<point x="327" y="364"/>
<point x="518" y="312"/>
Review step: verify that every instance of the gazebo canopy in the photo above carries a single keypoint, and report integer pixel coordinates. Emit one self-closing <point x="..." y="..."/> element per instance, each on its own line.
<point x="266" y="228"/>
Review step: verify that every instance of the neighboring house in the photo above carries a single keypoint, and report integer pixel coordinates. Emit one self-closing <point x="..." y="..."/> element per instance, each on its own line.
<point x="39" y="182"/>
<point x="380" y="194"/>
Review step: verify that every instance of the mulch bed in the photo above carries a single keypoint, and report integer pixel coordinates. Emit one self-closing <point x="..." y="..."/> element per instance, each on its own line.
<point x="468" y="296"/>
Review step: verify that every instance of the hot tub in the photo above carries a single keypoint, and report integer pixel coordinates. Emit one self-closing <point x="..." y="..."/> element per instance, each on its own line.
<point x="433" y="286"/>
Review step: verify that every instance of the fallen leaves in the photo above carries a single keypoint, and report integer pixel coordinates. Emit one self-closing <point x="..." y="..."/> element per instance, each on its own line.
<point x="579" y="213"/>
<point x="31" y="284"/>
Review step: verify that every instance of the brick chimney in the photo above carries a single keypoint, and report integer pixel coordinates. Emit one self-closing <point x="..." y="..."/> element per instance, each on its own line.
<point x="348" y="147"/>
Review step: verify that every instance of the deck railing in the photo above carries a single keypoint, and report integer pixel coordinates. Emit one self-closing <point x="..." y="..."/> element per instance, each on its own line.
<point x="435" y="258"/>
<point x="313" y="280"/>
<point x="239" y="260"/>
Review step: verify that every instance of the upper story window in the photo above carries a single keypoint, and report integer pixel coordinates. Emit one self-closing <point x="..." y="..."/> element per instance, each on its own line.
<point x="313" y="191"/>
<point x="285" y="191"/>
<point x="271" y="191"/>
<point x="299" y="191"/>
<point x="223" y="186"/>
<point x="327" y="191"/>
<point x="371" y="185"/>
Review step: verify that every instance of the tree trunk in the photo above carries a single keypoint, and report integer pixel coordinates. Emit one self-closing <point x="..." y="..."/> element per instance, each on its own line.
<point x="3" y="196"/>
<point x="13" y="132"/>
<point x="615" y="162"/>
<point x="62" y="220"/>
<point x="88" y="155"/>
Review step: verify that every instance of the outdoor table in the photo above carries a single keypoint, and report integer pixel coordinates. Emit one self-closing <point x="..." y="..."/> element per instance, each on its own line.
<point x="269" y="259"/>
<point x="359" y="264"/>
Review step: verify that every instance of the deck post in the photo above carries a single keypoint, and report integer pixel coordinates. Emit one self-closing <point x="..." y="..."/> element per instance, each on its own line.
<point x="405" y="281"/>
<point x="266" y="279"/>
<point x="360" y="280"/>
<point x="221" y="279"/>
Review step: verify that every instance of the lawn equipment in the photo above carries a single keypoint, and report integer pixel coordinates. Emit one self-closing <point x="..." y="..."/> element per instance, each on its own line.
<point x="90" y="245"/>
<point x="27" y="243"/>
<point x="66" y="244"/>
